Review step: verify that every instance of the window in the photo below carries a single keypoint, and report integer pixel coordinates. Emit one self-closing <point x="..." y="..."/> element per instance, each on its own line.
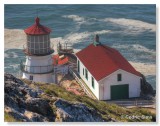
<point x="92" y="82"/>
<point x="86" y="74"/>
<point x="31" y="77"/>
<point x="119" y="77"/>
<point x="83" y="71"/>
<point x="78" y="66"/>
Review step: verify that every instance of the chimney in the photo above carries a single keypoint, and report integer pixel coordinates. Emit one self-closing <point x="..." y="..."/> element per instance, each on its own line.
<point x="96" y="40"/>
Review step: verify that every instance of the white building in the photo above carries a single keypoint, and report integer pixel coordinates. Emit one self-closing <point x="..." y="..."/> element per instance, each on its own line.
<point x="39" y="63"/>
<point x="107" y="73"/>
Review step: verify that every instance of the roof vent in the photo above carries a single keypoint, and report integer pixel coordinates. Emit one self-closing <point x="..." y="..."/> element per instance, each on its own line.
<point x="96" y="40"/>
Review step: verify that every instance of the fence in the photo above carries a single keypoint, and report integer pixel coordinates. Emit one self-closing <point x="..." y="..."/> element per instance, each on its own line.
<point x="134" y="102"/>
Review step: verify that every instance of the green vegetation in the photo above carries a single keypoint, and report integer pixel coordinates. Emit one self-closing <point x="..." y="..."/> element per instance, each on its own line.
<point x="9" y="118"/>
<point x="105" y="109"/>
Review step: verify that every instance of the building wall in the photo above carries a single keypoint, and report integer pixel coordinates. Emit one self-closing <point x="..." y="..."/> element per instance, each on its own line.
<point x="127" y="78"/>
<point x="39" y="60"/>
<point x="39" y="64"/>
<point x="47" y="78"/>
<point x="89" y="81"/>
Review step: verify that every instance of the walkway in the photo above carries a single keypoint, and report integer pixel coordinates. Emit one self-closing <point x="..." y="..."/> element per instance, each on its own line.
<point x="86" y="89"/>
<point x="129" y="103"/>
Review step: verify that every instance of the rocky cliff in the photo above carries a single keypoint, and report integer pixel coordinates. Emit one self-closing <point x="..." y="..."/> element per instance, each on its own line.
<point x="25" y="104"/>
<point x="38" y="102"/>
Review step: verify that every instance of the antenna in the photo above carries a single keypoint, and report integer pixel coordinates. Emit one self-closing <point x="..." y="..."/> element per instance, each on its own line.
<point x="37" y="12"/>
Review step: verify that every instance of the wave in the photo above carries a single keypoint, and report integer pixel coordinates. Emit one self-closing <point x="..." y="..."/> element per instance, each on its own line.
<point x="75" y="18"/>
<point x="79" y="20"/>
<point x="135" y="47"/>
<point x="76" y="37"/>
<point x="12" y="54"/>
<point x="16" y="38"/>
<point x="131" y="26"/>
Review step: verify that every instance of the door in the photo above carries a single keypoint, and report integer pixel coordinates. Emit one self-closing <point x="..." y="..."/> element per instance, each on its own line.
<point x="119" y="91"/>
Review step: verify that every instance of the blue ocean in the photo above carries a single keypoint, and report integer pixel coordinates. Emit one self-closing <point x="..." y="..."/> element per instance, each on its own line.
<point x="131" y="29"/>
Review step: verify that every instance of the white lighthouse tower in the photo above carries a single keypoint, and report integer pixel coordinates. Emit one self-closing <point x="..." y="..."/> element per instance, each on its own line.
<point x="39" y="63"/>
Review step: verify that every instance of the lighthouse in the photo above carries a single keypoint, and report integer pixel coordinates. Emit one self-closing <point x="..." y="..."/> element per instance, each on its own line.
<point x="38" y="66"/>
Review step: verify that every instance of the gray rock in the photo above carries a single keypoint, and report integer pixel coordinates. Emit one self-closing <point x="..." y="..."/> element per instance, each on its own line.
<point x="18" y="116"/>
<point x="146" y="88"/>
<point x="75" y="112"/>
<point x="39" y="105"/>
<point x="35" y="117"/>
<point x="19" y="97"/>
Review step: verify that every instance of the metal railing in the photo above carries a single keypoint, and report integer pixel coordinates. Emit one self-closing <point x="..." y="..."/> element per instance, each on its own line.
<point x="81" y="84"/>
<point x="134" y="102"/>
<point x="36" y="69"/>
<point x="65" y="47"/>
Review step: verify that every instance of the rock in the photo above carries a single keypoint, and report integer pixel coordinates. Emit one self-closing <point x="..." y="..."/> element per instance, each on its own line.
<point x="17" y="115"/>
<point x="34" y="117"/>
<point x="75" y="112"/>
<point x="146" y="88"/>
<point x="39" y="105"/>
<point x="20" y="98"/>
<point x="62" y="116"/>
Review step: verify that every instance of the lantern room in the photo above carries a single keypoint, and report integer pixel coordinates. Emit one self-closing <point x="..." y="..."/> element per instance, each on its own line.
<point x="38" y="39"/>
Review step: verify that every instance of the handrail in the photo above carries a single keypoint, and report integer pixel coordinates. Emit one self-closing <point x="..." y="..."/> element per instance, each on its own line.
<point x="36" y="69"/>
<point x="82" y="84"/>
<point x="65" y="47"/>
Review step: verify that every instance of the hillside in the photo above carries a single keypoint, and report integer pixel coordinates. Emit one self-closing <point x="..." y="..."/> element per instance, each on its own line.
<point x="28" y="101"/>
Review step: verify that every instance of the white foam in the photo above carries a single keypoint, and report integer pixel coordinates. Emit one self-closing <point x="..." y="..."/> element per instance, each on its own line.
<point x="136" y="47"/>
<point x="75" y="18"/>
<point x="76" y="37"/>
<point x="131" y="26"/>
<point x="14" y="38"/>
<point x="143" y="49"/>
<point x="79" y="20"/>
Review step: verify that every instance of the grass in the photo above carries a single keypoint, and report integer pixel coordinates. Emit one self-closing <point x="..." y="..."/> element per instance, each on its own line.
<point x="9" y="118"/>
<point x="105" y="109"/>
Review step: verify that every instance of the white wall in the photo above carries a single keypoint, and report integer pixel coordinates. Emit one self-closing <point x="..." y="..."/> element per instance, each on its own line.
<point x="95" y="90"/>
<point x="47" y="78"/>
<point x="127" y="78"/>
<point x="32" y="61"/>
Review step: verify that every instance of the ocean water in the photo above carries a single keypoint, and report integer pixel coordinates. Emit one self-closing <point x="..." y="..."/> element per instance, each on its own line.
<point x="131" y="29"/>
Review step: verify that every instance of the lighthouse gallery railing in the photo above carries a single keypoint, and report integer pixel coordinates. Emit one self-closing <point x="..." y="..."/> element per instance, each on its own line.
<point x="36" y="69"/>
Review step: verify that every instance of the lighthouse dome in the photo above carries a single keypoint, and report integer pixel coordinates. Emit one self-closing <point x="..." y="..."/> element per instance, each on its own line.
<point x="37" y="28"/>
<point x="38" y="39"/>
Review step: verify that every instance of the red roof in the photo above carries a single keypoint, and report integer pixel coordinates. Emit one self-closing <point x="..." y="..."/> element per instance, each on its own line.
<point x="37" y="29"/>
<point x="102" y="60"/>
<point x="58" y="61"/>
